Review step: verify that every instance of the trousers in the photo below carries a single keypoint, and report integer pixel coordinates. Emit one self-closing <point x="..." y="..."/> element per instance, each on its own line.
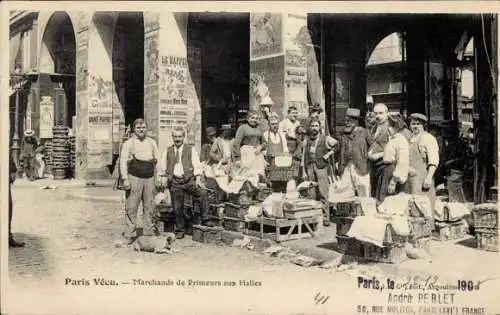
<point x="320" y="193"/>
<point x="142" y="189"/>
<point x="454" y="182"/>
<point x="178" y="189"/>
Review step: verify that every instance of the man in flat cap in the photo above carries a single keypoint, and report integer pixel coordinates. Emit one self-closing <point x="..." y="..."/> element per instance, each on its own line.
<point x="353" y="161"/>
<point x="424" y="159"/>
<point x="210" y="134"/>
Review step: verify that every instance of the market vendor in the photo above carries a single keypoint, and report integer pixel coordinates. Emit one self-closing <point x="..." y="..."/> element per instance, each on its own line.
<point x="210" y="134"/>
<point x="353" y="161"/>
<point x="288" y="126"/>
<point x="28" y="154"/>
<point x="318" y="165"/>
<point x="424" y="159"/>
<point x="249" y="139"/>
<point x="221" y="150"/>
<point x="379" y="137"/>
<point x="314" y="114"/>
<point x="394" y="171"/>
<point x="276" y="145"/>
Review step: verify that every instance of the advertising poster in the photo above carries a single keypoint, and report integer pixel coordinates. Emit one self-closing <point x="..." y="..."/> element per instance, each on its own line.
<point x="435" y="88"/>
<point x="267" y="80"/>
<point x="46" y="117"/>
<point x="151" y="21"/>
<point x="295" y="42"/>
<point x="152" y="54"/>
<point x="296" y="90"/>
<point x="265" y="34"/>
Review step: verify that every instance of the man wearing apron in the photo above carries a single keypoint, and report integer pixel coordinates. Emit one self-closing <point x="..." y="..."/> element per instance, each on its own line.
<point x="276" y="145"/>
<point x="288" y="126"/>
<point x="424" y="159"/>
<point x="379" y="139"/>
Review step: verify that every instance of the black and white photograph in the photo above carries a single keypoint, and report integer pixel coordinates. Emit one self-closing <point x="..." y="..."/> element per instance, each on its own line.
<point x="249" y="158"/>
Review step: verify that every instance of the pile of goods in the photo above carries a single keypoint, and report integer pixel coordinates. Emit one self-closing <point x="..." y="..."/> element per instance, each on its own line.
<point x="60" y="152"/>
<point x="381" y="232"/>
<point x="450" y="223"/>
<point x="485" y="218"/>
<point x="72" y="155"/>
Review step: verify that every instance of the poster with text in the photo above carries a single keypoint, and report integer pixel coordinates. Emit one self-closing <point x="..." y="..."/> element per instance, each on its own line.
<point x="265" y="34"/>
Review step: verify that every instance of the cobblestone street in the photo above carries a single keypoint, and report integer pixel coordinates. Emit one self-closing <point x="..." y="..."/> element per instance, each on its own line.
<point x="75" y="239"/>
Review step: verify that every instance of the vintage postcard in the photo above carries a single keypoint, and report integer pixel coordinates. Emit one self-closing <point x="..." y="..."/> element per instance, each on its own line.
<point x="249" y="157"/>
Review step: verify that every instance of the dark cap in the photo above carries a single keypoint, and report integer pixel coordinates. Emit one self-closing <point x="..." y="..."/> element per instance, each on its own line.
<point x="210" y="131"/>
<point x="419" y="116"/>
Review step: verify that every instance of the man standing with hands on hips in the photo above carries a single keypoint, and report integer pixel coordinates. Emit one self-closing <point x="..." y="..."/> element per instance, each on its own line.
<point x="138" y="160"/>
<point x="181" y="168"/>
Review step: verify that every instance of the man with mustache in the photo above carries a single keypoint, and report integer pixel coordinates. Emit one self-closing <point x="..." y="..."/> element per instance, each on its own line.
<point x="276" y="145"/>
<point x="353" y="162"/>
<point x="288" y="126"/>
<point x="379" y="139"/>
<point x="138" y="162"/>
<point x="316" y="163"/>
<point x="182" y="167"/>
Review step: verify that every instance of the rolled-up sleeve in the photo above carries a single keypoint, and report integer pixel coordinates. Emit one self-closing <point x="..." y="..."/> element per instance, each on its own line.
<point x="402" y="160"/>
<point x="238" y="138"/>
<point x="432" y="149"/>
<point x="195" y="159"/>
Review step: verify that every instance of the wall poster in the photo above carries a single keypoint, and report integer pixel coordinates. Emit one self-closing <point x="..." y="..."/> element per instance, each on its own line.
<point x="265" y="34"/>
<point x="339" y="94"/>
<point x="46" y="117"/>
<point x="267" y="80"/>
<point x="434" y="83"/>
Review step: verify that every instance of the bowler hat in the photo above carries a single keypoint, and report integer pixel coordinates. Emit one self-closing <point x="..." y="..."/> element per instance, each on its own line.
<point x="353" y="112"/>
<point x="210" y="131"/>
<point x="419" y="116"/>
<point x="29" y="133"/>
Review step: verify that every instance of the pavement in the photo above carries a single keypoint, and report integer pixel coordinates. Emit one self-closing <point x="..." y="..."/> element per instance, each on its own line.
<point x="72" y="232"/>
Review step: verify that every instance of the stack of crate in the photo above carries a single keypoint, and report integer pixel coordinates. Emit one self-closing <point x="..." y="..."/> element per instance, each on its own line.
<point x="448" y="228"/>
<point x="485" y="217"/>
<point x="236" y="208"/>
<point x="421" y="227"/>
<point x="47" y="153"/>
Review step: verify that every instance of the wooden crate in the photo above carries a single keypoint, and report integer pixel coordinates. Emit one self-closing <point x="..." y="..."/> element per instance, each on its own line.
<point x="389" y="253"/>
<point x="302" y="214"/>
<point x="216" y="214"/>
<point x="350" y="246"/>
<point x="345" y="209"/>
<point x="274" y="173"/>
<point x="343" y="225"/>
<point x="420" y="227"/>
<point x="280" y="230"/>
<point x="236" y="211"/>
<point x="487" y="239"/>
<point x="235" y="224"/>
<point x="204" y="234"/>
<point x="449" y="231"/>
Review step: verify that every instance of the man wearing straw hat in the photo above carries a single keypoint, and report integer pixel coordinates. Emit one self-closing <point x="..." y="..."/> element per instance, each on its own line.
<point x="424" y="159"/>
<point x="28" y="154"/>
<point x="353" y="162"/>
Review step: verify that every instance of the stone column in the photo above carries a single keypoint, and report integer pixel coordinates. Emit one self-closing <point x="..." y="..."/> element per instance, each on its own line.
<point x="282" y="62"/>
<point x="172" y="78"/>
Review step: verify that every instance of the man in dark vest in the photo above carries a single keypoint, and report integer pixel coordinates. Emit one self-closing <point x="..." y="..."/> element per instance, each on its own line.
<point x="12" y="178"/>
<point x="183" y="173"/>
<point x="317" y="164"/>
<point x="353" y="162"/>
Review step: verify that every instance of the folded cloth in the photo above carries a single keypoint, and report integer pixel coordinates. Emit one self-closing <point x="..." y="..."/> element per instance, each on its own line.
<point x="369" y="229"/>
<point x="423" y="204"/>
<point x="456" y="210"/>
<point x="397" y="204"/>
<point x="368" y="205"/>
<point x="400" y="225"/>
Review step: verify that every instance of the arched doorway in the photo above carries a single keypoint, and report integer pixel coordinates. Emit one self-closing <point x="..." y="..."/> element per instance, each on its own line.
<point x="128" y="65"/>
<point x="57" y="72"/>
<point x="385" y="73"/>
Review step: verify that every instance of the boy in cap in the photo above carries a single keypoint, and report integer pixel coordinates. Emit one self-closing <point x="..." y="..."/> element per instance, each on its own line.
<point x="221" y="149"/>
<point x="353" y="162"/>
<point x="424" y="159"/>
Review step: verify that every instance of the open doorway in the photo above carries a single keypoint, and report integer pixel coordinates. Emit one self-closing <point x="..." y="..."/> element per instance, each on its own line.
<point x="224" y="39"/>
<point x="385" y="73"/>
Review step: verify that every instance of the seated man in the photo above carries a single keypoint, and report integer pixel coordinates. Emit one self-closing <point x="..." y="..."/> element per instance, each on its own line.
<point x="183" y="169"/>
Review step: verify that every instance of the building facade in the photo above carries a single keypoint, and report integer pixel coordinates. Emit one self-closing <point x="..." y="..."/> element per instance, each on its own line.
<point x="96" y="72"/>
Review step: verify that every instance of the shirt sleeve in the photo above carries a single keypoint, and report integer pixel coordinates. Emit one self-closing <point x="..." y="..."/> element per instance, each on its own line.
<point x="432" y="148"/>
<point x="124" y="155"/>
<point x="156" y="155"/>
<point x="402" y="160"/>
<point x="195" y="159"/>
<point x="238" y="138"/>
<point x="214" y="151"/>
<point x="285" y="143"/>
<point x="390" y="152"/>
<point x="330" y="142"/>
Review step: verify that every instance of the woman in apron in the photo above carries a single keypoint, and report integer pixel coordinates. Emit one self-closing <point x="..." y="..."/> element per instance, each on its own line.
<point x="276" y="145"/>
<point x="424" y="159"/>
<point x="394" y="171"/>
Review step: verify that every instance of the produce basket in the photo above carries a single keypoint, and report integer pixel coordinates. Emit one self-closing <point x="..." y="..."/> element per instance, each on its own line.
<point x="485" y="216"/>
<point x="487" y="239"/>
<point x="284" y="174"/>
<point x="420" y="227"/>
<point x="350" y="246"/>
<point x="343" y="225"/>
<point x="392" y="253"/>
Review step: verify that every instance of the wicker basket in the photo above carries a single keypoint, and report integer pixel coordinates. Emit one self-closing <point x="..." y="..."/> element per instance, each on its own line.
<point x="390" y="253"/>
<point x="263" y="193"/>
<point x="485" y="216"/>
<point x="487" y="239"/>
<point x="274" y="173"/>
<point x="421" y="227"/>
<point x="235" y="224"/>
<point x="244" y="198"/>
<point x="235" y="211"/>
<point x="423" y="242"/>
<point x="350" y="246"/>
<point x="343" y="225"/>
